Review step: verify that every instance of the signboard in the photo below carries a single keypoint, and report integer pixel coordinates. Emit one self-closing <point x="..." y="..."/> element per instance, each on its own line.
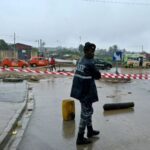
<point x="23" y="51"/>
<point x="117" y="56"/>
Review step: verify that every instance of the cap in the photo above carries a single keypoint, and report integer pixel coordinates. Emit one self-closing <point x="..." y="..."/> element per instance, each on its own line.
<point x="88" y="46"/>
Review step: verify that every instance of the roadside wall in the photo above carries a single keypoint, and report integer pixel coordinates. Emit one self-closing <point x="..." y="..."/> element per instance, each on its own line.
<point x="8" y="53"/>
<point x="14" y="54"/>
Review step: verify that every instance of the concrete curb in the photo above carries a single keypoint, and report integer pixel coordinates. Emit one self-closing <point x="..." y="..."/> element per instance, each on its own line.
<point x="7" y="133"/>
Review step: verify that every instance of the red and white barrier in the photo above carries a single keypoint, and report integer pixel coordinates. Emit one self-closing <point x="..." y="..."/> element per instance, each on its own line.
<point x="104" y="75"/>
<point x="126" y="76"/>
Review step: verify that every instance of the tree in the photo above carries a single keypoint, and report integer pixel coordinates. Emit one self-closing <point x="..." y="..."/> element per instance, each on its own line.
<point x="81" y="48"/>
<point x="3" y="45"/>
<point x="112" y="49"/>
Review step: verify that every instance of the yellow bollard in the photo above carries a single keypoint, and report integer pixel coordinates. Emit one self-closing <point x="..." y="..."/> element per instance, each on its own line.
<point x="68" y="109"/>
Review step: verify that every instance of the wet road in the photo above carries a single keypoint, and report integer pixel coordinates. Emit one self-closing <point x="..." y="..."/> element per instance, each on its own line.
<point x="12" y="92"/>
<point x="120" y="129"/>
<point x="12" y="102"/>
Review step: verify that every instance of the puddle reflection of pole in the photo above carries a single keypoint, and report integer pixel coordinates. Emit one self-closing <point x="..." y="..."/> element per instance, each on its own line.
<point x="117" y="67"/>
<point x="14" y="44"/>
<point x="117" y="97"/>
<point x="59" y="67"/>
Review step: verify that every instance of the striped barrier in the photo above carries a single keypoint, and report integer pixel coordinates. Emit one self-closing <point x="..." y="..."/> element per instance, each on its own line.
<point x="126" y="76"/>
<point x="104" y="75"/>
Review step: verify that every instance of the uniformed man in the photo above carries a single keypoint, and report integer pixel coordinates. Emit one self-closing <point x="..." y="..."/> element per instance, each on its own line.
<point x="84" y="89"/>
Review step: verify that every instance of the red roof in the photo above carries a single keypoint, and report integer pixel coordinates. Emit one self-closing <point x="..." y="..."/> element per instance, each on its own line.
<point x="20" y="46"/>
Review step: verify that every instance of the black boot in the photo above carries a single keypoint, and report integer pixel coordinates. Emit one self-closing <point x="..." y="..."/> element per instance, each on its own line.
<point x="82" y="140"/>
<point x="91" y="132"/>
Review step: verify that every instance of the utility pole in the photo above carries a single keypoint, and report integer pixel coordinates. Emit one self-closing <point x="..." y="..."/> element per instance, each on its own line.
<point x="142" y="48"/>
<point x="40" y="46"/>
<point x="80" y="40"/>
<point x="14" y="44"/>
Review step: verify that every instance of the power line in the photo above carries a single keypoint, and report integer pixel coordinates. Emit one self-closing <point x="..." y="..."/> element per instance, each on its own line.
<point x="10" y="36"/>
<point x="120" y="2"/>
<point x="15" y="38"/>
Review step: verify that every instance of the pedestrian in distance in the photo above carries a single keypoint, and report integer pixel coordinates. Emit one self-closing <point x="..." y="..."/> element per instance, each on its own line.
<point x="52" y="64"/>
<point x="140" y="61"/>
<point x="84" y="90"/>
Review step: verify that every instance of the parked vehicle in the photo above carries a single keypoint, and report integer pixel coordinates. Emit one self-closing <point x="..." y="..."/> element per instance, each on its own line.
<point x="38" y="61"/>
<point x="101" y="64"/>
<point x="13" y="62"/>
<point x="133" y="60"/>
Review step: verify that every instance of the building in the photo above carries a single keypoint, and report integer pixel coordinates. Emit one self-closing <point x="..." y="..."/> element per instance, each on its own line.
<point x="20" y="51"/>
<point x="24" y="51"/>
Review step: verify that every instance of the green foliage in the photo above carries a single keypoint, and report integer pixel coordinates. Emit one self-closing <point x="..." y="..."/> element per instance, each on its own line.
<point x="112" y="49"/>
<point x="76" y="53"/>
<point x="3" y="45"/>
<point x="35" y="49"/>
<point x="65" y="53"/>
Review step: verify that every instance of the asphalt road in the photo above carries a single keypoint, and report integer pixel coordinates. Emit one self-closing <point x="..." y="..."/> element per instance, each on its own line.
<point x="120" y="129"/>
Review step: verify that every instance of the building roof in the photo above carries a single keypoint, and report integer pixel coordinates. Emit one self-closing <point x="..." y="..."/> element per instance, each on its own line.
<point x="21" y="46"/>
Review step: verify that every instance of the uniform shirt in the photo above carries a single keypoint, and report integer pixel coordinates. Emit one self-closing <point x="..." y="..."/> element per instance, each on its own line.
<point x="83" y="86"/>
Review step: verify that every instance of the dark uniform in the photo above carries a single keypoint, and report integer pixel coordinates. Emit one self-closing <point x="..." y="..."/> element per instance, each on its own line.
<point x="84" y="89"/>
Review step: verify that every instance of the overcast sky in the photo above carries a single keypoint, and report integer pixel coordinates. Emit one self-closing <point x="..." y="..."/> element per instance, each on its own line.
<point x="68" y="23"/>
